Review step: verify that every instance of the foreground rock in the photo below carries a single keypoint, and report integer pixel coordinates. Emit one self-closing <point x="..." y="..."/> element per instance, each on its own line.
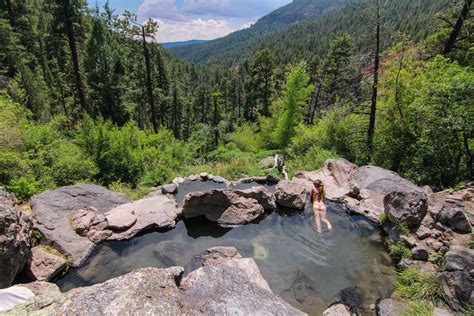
<point x="226" y="284"/>
<point x="44" y="265"/>
<point x="457" y="279"/>
<point x="229" y="207"/>
<point x="15" y="238"/>
<point x="292" y="194"/>
<point x="53" y="211"/>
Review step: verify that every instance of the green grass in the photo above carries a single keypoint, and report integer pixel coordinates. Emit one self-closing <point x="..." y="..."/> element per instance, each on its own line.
<point x="403" y="229"/>
<point x="383" y="219"/>
<point x="471" y="243"/>
<point x="399" y="250"/>
<point x="415" y="285"/>
<point x="133" y="194"/>
<point x="418" y="309"/>
<point x="467" y="310"/>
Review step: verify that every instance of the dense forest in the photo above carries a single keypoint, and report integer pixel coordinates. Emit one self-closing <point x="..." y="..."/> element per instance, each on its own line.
<point x="88" y="96"/>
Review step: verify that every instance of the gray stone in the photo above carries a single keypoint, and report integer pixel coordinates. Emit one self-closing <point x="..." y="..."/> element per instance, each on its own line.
<point x="457" y="287"/>
<point x="15" y="237"/>
<point x="82" y="221"/>
<point x="389" y="307"/>
<point x="272" y="179"/>
<point x="337" y="310"/>
<point x="204" y="175"/>
<point x="442" y="312"/>
<point x="169" y="188"/>
<point x="53" y="211"/>
<point x="456" y="219"/>
<point x="423" y="232"/>
<point x="352" y="298"/>
<point x="459" y="259"/>
<point x="381" y="181"/>
<point x="227" y="206"/>
<point x="43" y="265"/>
<point x="292" y="194"/>
<point x="120" y="218"/>
<point x="193" y="178"/>
<point x="218" y="179"/>
<point x="406" y="207"/>
<point x="420" y="253"/>
<point x="410" y="242"/>
<point x="266" y="163"/>
<point x="158" y="212"/>
<point x="178" y="180"/>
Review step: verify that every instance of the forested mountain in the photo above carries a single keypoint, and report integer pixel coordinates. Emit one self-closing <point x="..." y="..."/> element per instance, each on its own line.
<point x="86" y="95"/>
<point x="184" y="43"/>
<point x="413" y="18"/>
<point x="298" y="10"/>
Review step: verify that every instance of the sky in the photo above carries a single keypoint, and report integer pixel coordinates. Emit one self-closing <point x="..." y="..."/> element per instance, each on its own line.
<point x="182" y="20"/>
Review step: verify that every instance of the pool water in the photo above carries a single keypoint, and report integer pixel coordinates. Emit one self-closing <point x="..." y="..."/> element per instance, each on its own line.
<point x="305" y="268"/>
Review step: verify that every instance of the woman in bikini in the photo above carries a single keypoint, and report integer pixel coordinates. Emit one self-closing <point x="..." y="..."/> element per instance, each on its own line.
<point x="320" y="212"/>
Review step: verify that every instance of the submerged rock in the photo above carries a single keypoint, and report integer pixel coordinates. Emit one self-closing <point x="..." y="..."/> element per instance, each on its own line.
<point x="226" y="284"/>
<point x="53" y="211"/>
<point x="15" y="236"/>
<point x="227" y="206"/>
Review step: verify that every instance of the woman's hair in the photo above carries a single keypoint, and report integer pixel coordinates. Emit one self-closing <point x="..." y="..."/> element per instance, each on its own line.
<point x="321" y="194"/>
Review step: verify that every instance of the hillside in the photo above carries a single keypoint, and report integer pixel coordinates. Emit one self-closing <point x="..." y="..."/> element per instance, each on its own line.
<point x="297" y="11"/>
<point x="184" y="43"/>
<point x="301" y="40"/>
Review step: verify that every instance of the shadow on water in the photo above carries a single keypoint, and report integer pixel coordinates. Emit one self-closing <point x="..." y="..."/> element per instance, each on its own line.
<point x="305" y="268"/>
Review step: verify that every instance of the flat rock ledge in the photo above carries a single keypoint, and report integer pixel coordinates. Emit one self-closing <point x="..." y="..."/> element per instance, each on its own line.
<point x="223" y="285"/>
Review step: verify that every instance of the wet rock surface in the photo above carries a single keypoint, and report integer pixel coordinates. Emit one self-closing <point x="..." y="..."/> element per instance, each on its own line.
<point x="52" y="212"/>
<point x="15" y="238"/>
<point x="227" y="206"/>
<point x="221" y="287"/>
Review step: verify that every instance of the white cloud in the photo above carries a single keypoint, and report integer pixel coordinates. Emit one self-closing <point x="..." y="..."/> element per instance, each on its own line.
<point x="204" y="19"/>
<point x="171" y="31"/>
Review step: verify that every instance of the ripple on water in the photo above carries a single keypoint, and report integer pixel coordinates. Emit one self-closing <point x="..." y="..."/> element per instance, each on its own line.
<point x="304" y="267"/>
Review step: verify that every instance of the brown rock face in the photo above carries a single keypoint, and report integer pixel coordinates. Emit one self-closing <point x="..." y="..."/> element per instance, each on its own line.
<point x="15" y="236"/>
<point x="292" y="194"/>
<point x="407" y="207"/>
<point x="43" y="265"/>
<point x="227" y="206"/>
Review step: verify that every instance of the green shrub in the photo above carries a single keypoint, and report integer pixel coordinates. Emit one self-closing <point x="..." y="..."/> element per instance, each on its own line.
<point x="399" y="250"/>
<point x="313" y="159"/>
<point x="245" y="138"/>
<point x="418" y="309"/>
<point x="415" y="285"/>
<point x="23" y="187"/>
<point x="11" y="166"/>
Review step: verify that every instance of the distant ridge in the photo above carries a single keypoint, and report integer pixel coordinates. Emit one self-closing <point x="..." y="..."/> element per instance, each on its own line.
<point x="183" y="43"/>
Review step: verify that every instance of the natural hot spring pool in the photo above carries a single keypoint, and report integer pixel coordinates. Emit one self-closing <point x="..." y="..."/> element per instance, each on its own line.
<point x="305" y="268"/>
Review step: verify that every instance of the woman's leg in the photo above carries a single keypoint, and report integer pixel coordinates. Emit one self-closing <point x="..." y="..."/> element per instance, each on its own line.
<point x="324" y="212"/>
<point x="317" y="218"/>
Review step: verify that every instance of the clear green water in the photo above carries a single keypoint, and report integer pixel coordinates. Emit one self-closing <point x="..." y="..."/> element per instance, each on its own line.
<point x="305" y="268"/>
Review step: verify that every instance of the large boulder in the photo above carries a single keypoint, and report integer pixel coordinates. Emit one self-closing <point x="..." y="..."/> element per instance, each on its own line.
<point x="225" y="285"/>
<point x="15" y="239"/>
<point x="228" y="206"/>
<point x="53" y="212"/>
<point x="456" y="280"/>
<point x="292" y="194"/>
<point x="456" y="219"/>
<point x="408" y="207"/>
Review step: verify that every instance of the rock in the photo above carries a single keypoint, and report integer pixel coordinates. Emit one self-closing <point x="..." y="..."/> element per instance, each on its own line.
<point x="455" y="219"/>
<point x="381" y="181"/>
<point x="204" y="176"/>
<point x="442" y="312"/>
<point x="169" y="188"/>
<point x="266" y="163"/>
<point x="389" y="307"/>
<point x="410" y="242"/>
<point x="15" y="237"/>
<point x="82" y="221"/>
<point x="291" y="194"/>
<point x="272" y="179"/>
<point x="193" y="178"/>
<point x="218" y="179"/>
<point x="227" y="206"/>
<point x="423" y="232"/>
<point x="426" y="267"/>
<point x="13" y="296"/>
<point x="158" y="212"/>
<point x="228" y="285"/>
<point x="459" y="259"/>
<point x="178" y="180"/>
<point x="120" y="218"/>
<point x="351" y="297"/>
<point x="420" y="253"/>
<point x="337" y="310"/>
<point x="457" y="287"/>
<point x="44" y="265"/>
<point x="406" y="207"/>
<point x="53" y="211"/>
